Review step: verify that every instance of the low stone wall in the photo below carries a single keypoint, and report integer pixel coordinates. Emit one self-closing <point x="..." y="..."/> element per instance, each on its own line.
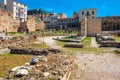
<point x="74" y="45"/>
<point x="63" y="40"/>
<point x="110" y="44"/>
<point x="32" y="51"/>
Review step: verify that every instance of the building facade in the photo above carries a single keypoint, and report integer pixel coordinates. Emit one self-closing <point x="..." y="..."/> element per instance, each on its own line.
<point x="19" y="10"/>
<point x="61" y="15"/>
<point x="89" y="13"/>
<point x="61" y="22"/>
<point x="69" y="24"/>
<point x="50" y="20"/>
<point x="102" y="26"/>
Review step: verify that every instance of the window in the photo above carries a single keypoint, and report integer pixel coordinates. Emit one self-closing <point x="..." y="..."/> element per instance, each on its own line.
<point x="88" y="13"/>
<point x="93" y="12"/>
<point x="82" y="13"/>
<point x="5" y="6"/>
<point x="17" y="14"/>
<point x="93" y="17"/>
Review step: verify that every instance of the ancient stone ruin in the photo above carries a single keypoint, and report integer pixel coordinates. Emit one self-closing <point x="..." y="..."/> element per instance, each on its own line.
<point x="53" y="66"/>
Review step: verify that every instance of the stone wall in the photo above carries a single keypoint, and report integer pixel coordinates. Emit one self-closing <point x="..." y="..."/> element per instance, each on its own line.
<point x="14" y="26"/>
<point x="7" y="23"/>
<point x="40" y="25"/>
<point x="5" y="20"/>
<point x="94" y="26"/>
<point x="31" y="23"/>
<point x="91" y="27"/>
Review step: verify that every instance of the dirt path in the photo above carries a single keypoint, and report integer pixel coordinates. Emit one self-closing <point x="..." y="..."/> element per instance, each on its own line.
<point x="91" y="66"/>
<point x="50" y="42"/>
<point x="93" y="42"/>
<point x="97" y="67"/>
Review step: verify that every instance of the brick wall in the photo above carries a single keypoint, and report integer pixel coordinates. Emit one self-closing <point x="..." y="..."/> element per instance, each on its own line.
<point x="94" y="26"/>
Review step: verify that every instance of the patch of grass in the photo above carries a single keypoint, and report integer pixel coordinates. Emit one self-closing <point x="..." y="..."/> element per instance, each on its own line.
<point x="59" y="32"/>
<point x="9" y="61"/>
<point x="86" y="40"/>
<point x="70" y="37"/>
<point x="37" y="46"/>
<point x="13" y="33"/>
<point x="60" y="43"/>
<point x="87" y="49"/>
<point x="117" y="38"/>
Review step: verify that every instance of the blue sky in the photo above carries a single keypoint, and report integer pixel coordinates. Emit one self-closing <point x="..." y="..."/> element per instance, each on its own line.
<point x="104" y="7"/>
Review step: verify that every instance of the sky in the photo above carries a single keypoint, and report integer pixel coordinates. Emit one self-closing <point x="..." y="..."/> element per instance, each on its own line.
<point x="104" y="7"/>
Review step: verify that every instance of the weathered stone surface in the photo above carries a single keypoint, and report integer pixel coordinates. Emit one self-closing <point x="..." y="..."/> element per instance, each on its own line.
<point x="28" y="51"/>
<point x="4" y="51"/>
<point x="54" y="72"/>
<point x="39" y="52"/>
<point x="19" y="41"/>
<point x="44" y="59"/>
<point x="66" y="62"/>
<point x="54" y="50"/>
<point x="22" y="72"/>
<point x="34" y="61"/>
<point x="74" y="45"/>
<point x="40" y="26"/>
<point x="117" y="51"/>
<point x="110" y="44"/>
<point x="47" y="67"/>
<point x="27" y="64"/>
<point x="63" y="40"/>
<point x="46" y="74"/>
<point x="15" y="69"/>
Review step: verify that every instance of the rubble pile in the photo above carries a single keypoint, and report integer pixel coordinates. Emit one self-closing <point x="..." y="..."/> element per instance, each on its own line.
<point x="50" y="67"/>
<point x="18" y="41"/>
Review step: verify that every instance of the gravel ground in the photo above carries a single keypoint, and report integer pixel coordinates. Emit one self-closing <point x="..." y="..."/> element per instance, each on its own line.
<point x="97" y="67"/>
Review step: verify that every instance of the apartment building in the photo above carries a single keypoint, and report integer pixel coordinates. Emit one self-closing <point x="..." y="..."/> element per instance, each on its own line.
<point x="61" y="15"/>
<point x="18" y="9"/>
<point x="68" y="23"/>
<point x="89" y="13"/>
<point x="50" y="20"/>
